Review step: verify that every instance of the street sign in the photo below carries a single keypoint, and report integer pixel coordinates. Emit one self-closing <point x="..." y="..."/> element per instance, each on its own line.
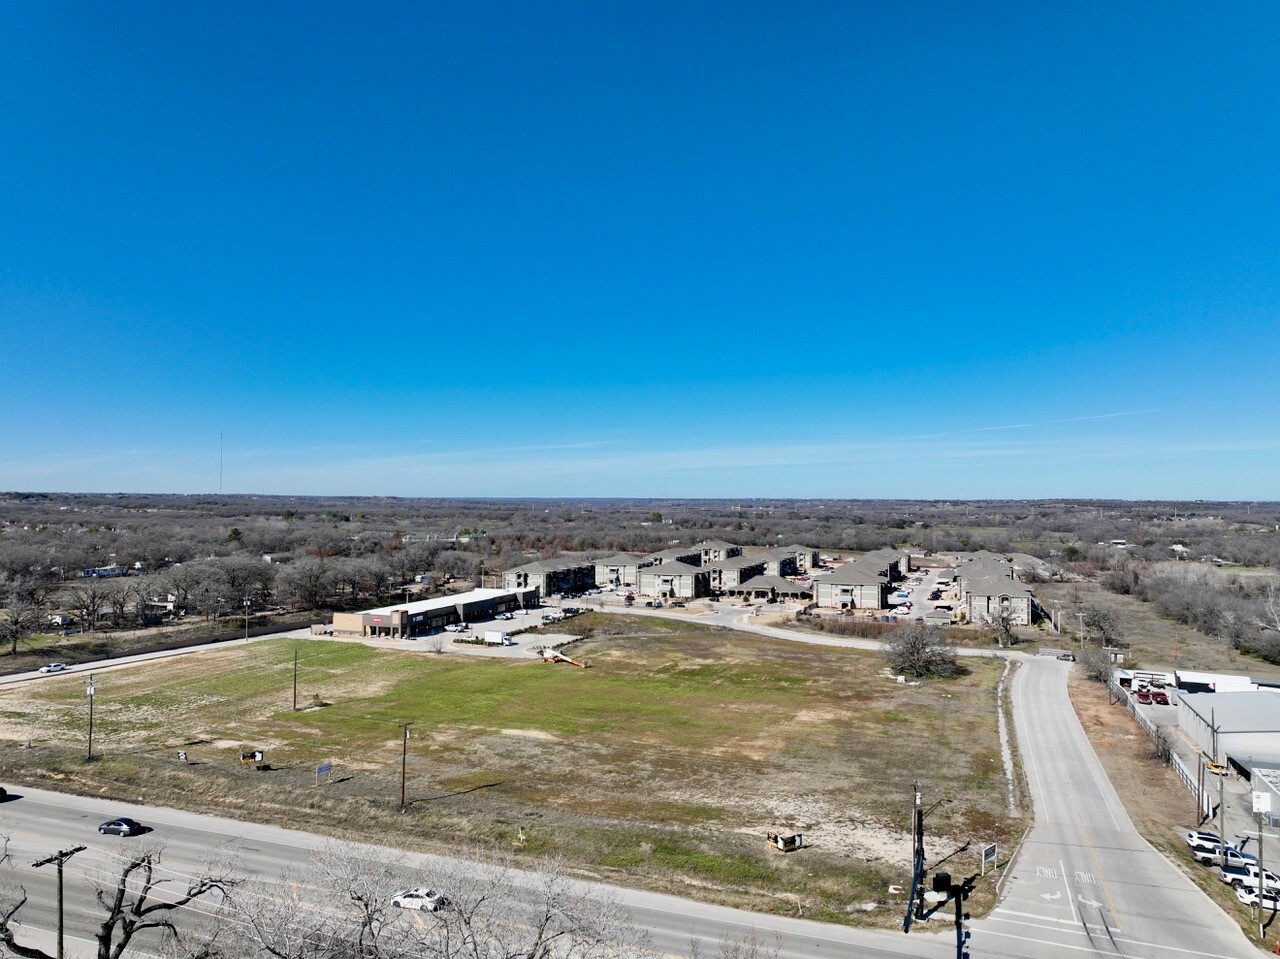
<point x="988" y="856"/>
<point x="182" y="755"/>
<point x="1262" y="802"/>
<point x="324" y="769"/>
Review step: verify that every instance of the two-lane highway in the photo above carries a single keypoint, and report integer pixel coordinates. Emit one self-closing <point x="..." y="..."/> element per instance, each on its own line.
<point x="1085" y="881"/>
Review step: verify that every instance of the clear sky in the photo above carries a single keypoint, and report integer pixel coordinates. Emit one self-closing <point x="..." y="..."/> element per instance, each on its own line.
<point x="642" y="249"/>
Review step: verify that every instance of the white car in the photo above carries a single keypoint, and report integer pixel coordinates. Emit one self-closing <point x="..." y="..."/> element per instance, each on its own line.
<point x="505" y="616"/>
<point x="1250" y="897"/>
<point x="456" y="628"/>
<point x="421" y="898"/>
<point x="1198" y="837"/>
<point x="53" y="667"/>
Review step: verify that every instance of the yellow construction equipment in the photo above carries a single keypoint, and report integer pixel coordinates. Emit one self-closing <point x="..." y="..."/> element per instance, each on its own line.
<point x="785" y="843"/>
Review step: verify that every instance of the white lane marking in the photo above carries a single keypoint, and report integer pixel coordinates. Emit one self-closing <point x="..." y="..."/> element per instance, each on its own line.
<point x="1090" y="902"/>
<point x="1030" y="915"/>
<point x="1128" y="942"/>
<point x="1066" y="885"/>
<point x="1077" y="929"/>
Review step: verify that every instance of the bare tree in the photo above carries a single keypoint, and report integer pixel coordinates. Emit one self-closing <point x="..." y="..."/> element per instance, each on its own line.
<point x="1096" y="663"/>
<point x="86" y="600"/>
<point x="1103" y="622"/>
<point x="1269" y="614"/>
<point x="135" y="900"/>
<point x="305" y="582"/>
<point x="1001" y="623"/>
<point x="21" y="619"/>
<point x="921" y="651"/>
<point x="493" y="911"/>
<point x="133" y="906"/>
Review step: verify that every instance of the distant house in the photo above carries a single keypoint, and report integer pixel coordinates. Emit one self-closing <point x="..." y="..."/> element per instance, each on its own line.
<point x="988" y="591"/>
<point x="716" y="551"/>
<point x="679" y="554"/>
<point x="725" y="574"/>
<point x="855" y="585"/>
<point x="780" y="562"/>
<point x="620" y="570"/>
<point x="552" y="576"/>
<point x="675" y="580"/>
<point x="104" y="572"/>
<point x="806" y="558"/>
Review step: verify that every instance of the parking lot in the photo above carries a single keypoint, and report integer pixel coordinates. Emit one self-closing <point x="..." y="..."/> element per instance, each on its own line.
<point x="925" y="592"/>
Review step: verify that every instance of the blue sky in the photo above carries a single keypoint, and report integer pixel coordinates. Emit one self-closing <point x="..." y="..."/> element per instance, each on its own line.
<point x="607" y="249"/>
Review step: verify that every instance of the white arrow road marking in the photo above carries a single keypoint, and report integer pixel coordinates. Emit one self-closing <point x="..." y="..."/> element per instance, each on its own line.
<point x="1089" y="902"/>
<point x="1051" y="895"/>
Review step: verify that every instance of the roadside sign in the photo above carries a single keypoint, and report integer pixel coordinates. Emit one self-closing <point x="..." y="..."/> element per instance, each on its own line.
<point x="324" y="769"/>
<point x="1261" y="802"/>
<point x="988" y="856"/>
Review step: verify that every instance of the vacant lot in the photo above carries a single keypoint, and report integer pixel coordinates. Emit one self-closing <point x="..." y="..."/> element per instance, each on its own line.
<point x="662" y="765"/>
<point x="1157" y="642"/>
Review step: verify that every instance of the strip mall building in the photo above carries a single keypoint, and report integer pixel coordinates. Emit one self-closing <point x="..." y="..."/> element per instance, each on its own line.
<point x="426" y="616"/>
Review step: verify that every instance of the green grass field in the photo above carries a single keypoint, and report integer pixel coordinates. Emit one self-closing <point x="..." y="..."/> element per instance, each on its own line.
<point x="661" y="765"/>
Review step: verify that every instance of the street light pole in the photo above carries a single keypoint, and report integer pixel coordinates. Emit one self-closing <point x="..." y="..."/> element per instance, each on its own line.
<point x="247" y="602"/>
<point x="295" y="678"/>
<point x="404" y="760"/>
<point x="60" y="858"/>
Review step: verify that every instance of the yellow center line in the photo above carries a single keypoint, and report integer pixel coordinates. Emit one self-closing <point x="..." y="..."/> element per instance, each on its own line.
<point x="1102" y="879"/>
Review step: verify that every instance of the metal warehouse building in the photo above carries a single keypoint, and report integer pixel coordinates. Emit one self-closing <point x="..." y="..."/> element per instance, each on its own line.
<point x="427" y="615"/>
<point x="1247" y="723"/>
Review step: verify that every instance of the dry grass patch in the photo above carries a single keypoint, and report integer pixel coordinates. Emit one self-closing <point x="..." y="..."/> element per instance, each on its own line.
<point x="661" y="766"/>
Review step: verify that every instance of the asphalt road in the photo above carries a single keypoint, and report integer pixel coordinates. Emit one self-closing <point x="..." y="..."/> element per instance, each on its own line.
<point x="1083" y="883"/>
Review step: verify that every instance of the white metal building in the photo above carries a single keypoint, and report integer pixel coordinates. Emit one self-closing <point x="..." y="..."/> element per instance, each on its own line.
<point x="1247" y="723"/>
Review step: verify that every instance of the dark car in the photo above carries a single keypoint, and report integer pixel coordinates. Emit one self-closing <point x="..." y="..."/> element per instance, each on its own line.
<point x="1067" y="657"/>
<point x="121" y="827"/>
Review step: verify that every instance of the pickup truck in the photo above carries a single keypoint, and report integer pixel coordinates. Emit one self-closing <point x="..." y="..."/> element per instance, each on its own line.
<point x="1246" y="877"/>
<point x="1212" y="856"/>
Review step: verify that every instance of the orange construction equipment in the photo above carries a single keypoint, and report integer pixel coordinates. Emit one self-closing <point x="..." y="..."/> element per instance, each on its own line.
<point x="555" y="656"/>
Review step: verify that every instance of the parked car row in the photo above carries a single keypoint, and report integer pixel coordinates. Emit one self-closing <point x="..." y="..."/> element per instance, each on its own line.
<point x="1237" y="868"/>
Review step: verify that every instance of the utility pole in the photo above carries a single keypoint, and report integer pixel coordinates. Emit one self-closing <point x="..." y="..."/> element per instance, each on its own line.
<point x="1222" y="788"/>
<point x="89" y="690"/>
<point x="404" y="761"/>
<point x="1262" y="883"/>
<point x="60" y="858"/>
<point x="295" y="678"/>
<point x="247" y="602"/>
<point x="915" y="900"/>
<point x="1080" y="616"/>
